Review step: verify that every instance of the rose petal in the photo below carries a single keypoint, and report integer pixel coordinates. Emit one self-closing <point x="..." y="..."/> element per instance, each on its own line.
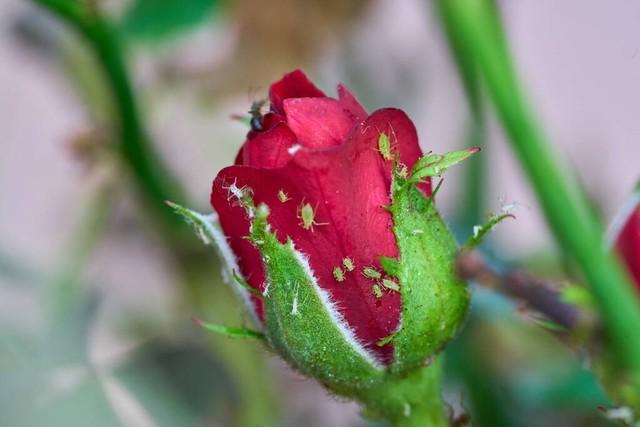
<point x="239" y="160"/>
<point x="269" y="149"/>
<point x="351" y="104"/>
<point x="235" y="225"/>
<point x="318" y="122"/>
<point x="292" y="85"/>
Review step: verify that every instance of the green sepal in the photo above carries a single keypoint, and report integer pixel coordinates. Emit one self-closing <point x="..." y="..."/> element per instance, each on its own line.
<point x="209" y="231"/>
<point x="436" y="164"/>
<point x="434" y="300"/>
<point x="390" y="266"/>
<point x="299" y="325"/>
<point x="230" y="331"/>
<point x="198" y="221"/>
<point x="479" y="231"/>
<point x="240" y="281"/>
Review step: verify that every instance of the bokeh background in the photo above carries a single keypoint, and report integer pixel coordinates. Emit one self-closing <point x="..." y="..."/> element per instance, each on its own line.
<point x="96" y="302"/>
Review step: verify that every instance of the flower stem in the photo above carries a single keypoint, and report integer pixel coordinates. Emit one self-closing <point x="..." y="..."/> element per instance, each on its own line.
<point x="151" y="174"/>
<point x="565" y="206"/>
<point x="411" y="400"/>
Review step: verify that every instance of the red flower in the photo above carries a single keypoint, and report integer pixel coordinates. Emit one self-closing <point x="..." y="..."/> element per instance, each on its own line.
<point x="316" y="164"/>
<point x="628" y="241"/>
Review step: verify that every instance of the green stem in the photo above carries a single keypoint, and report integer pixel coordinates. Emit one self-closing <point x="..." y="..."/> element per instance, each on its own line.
<point x="472" y="205"/>
<point x="565" y="206"/>
<point x="152" y="176"/>
<point x="412" y="400"/>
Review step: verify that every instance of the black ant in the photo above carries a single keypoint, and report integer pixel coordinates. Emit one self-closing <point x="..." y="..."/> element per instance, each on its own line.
<point x="256" y="115"/>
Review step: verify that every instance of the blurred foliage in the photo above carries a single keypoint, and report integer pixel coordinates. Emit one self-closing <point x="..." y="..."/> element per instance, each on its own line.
<point x="153" y="20"/>
<point x="50" y="380"/>
<point x="513" y="373"/>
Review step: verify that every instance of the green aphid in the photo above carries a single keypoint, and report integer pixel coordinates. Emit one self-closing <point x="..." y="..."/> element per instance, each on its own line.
<point x="308" y="215"/>
<point x="390" y="284"/>
<point x="348" y="264"/>
<point x="384" y="146"/>
<point x="386" y="340"/>
<point x="338" y="274"/>
<point x="377" y="291"/>
<point x="371" y="273"/>
<point x="283" y="197"/>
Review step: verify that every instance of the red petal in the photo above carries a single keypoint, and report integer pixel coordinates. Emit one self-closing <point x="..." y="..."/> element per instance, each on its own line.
<point x="235" y="225"/>
<point x="351" y="104"/>
<point x="347" y="186"/>
<point x="239" y="160"/>
<point x="292" y="85"/>
<point x="269" y="149"/>
<point x="628" y="245"/>
<point x="318" y="122"/>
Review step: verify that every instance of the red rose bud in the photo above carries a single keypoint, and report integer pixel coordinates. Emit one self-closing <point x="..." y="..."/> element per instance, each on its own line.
<point x="626" y="236"/>
<point x="331" y="231"/>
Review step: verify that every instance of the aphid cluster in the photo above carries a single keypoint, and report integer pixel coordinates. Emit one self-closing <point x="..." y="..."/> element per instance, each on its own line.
<point x="340" y="272"/>
<point x="381" y="283"/>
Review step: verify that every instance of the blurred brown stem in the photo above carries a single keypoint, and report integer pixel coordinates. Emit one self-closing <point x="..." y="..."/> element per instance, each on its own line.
<point x="536" y="293"/>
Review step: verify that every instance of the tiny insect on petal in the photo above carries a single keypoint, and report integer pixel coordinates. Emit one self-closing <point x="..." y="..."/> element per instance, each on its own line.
<point x="384" y="146"/>
<point x="307" y="215"/>
<point x="377" y="291"/>
<point x="371" y="273"/>
<point x="390" y="284"/>
<point x="338" y="274"/>
<point x="283" y="197"/>
<point x="348" y="264"/>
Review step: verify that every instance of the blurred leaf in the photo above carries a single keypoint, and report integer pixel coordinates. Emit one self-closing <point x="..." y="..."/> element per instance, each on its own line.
<point x="49" y="380"/>
<point x="158" y="19"/>
<point x="177" y="384"/>
<point x="46" y="378"/>
<point x="572" y="387"/>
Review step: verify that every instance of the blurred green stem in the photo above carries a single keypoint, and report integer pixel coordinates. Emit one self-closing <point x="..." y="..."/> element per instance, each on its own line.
<point x="151" y="174"/>
<point x="565" y="206"/>
<point x="472" y="207"/>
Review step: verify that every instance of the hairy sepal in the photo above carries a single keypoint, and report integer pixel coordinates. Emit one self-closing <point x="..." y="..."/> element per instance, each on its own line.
<point x="432" y="164"/>
<point x="303" y="324"/>
<point x="208" y="230"/>
<point x="434" y="300"/>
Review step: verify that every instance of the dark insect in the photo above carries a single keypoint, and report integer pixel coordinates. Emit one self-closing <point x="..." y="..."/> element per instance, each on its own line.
<point x="256" y="115"/>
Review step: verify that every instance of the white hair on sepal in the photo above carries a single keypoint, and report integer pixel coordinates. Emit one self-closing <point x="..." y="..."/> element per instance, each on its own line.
<point x="333" y="310"/>
<point x="209" y="226"/>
